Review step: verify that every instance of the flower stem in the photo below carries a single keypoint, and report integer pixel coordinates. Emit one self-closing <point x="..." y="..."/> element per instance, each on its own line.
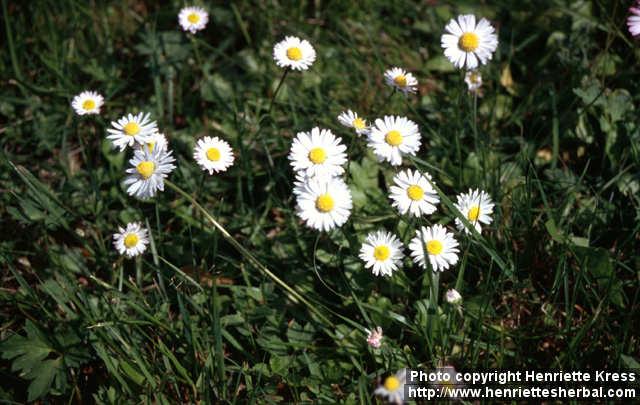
<point x="273" y="99"/>
<point x="293" y="294"/>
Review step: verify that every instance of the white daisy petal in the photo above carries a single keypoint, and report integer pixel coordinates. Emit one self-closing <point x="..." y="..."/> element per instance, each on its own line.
<point x="633" y="21"/>
<point x="413" y="193"/>
<point x="132" y="240"/>
<point x="213" y="154"/>
<point x="351" y="119"/>
<point x="394" y="137"/>
<point x="131" y="129"/>
<point x="156" y="140"/>
<point x="382" y="253"/>
<point x="294" y="53"/>
<point x="399" y="79"/>
<point x="148" y="170"/>
<point x="477" y="207"/>
<point x="323" y="203"/>
<point x="393" y="387"/>
<point x="468" y="45"/>
<point x="437" y="244"/>
<point x="318" y="153"/>
<point x="87" y="102"/>
<point x="473" y="78"/>
<point x="193" y="19"/>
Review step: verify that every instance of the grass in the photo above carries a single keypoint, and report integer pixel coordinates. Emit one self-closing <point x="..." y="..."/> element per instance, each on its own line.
<point x="552" y="283"/>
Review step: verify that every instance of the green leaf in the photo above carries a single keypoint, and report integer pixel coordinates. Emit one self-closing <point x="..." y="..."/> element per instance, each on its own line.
<point x="42" y="378"/>
<point x="131" y="372"/>
<point x="29" y="354"/>
<point x="629" y="362"/>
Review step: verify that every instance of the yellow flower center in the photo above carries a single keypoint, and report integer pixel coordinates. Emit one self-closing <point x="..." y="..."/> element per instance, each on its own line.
<point x="469" y="41"/>
<point x="324" y="203"/>
<point x="400" y="80"/>
<point x="474" y="213"/>
<point x="131" y="240"/>
<point x="213" y="154"/>
<point x="151" y="145"/>
<point x="475" y="78"/>
<point x="381" y="252"/>
<point x="415" y="192"/>
<point x="89" y="104"/>
<point x="359" y="123"/>
<point x="391" y="383"/>
<point x="146" y="169"/>
<point x="132" y="129"/>
<point x="434" y="247"/>
<point x="317" y="155"/>
<point x="393" y="137"/>
<point x="193" y="18"/>
<point x="294" y="53"/>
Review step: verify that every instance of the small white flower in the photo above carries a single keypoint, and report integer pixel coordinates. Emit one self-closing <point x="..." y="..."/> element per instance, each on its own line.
<point x="87" y="102"/>
<point x="318" y="153"/>
<point x="148" y="171"/>
<point x="473" y="78"/>
<point x="323" y="203"/>
<point x="453" y="297"/>
<point x="131" y="241"/>
<point x="413" y="193"/>
<point x="131" y="129"/>
<point x="468" y="43"/>
<point x="436" y="243"/>
<point x="393" y="387"/>
<point x="374" y="337"/>
<point x="350" y="119"/>
<point x="382" y="253"/>
<point x="156" y="140"/>
<point x="477" y="207"/>
<point x="633" y="21"/>
<point x="294" y="53"/>
<point x="399" y="79"/>
<point x="193" y="19"/>
<point x="394" y="137"/>
<point x="213" y="154"/>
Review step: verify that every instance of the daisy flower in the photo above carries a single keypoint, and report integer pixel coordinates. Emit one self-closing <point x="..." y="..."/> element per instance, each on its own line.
<point x="436" y="243"/>
<point x="131" y="241"/>
<point x="477" y="207"/>
<point x="87" y="102"/>
<point x="318" y="153"/>
<point x="213" y="154"/>
<point x="156" y="140"/>
<point x="633" y="22"/>
<point x="131" y="129"/>
<point x="382" y="253"/>
<point x="324" y="203"/>
<point x="399" y="79"/>
<point x="413" y="193"/>
<point x="350" y="119"/>
<point x="374" y="337"/>
<point x="393" y="387"/>
<point x="468" y="43"/>
<point x="299" y="182"/>
<point x="394" y="137"/>
<point x="148" y="171"/>
<point x="294" y="53"/>
<point x="193" y="19"/>
<point x="473" y="78"/>
<point x="453" y="297"/>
